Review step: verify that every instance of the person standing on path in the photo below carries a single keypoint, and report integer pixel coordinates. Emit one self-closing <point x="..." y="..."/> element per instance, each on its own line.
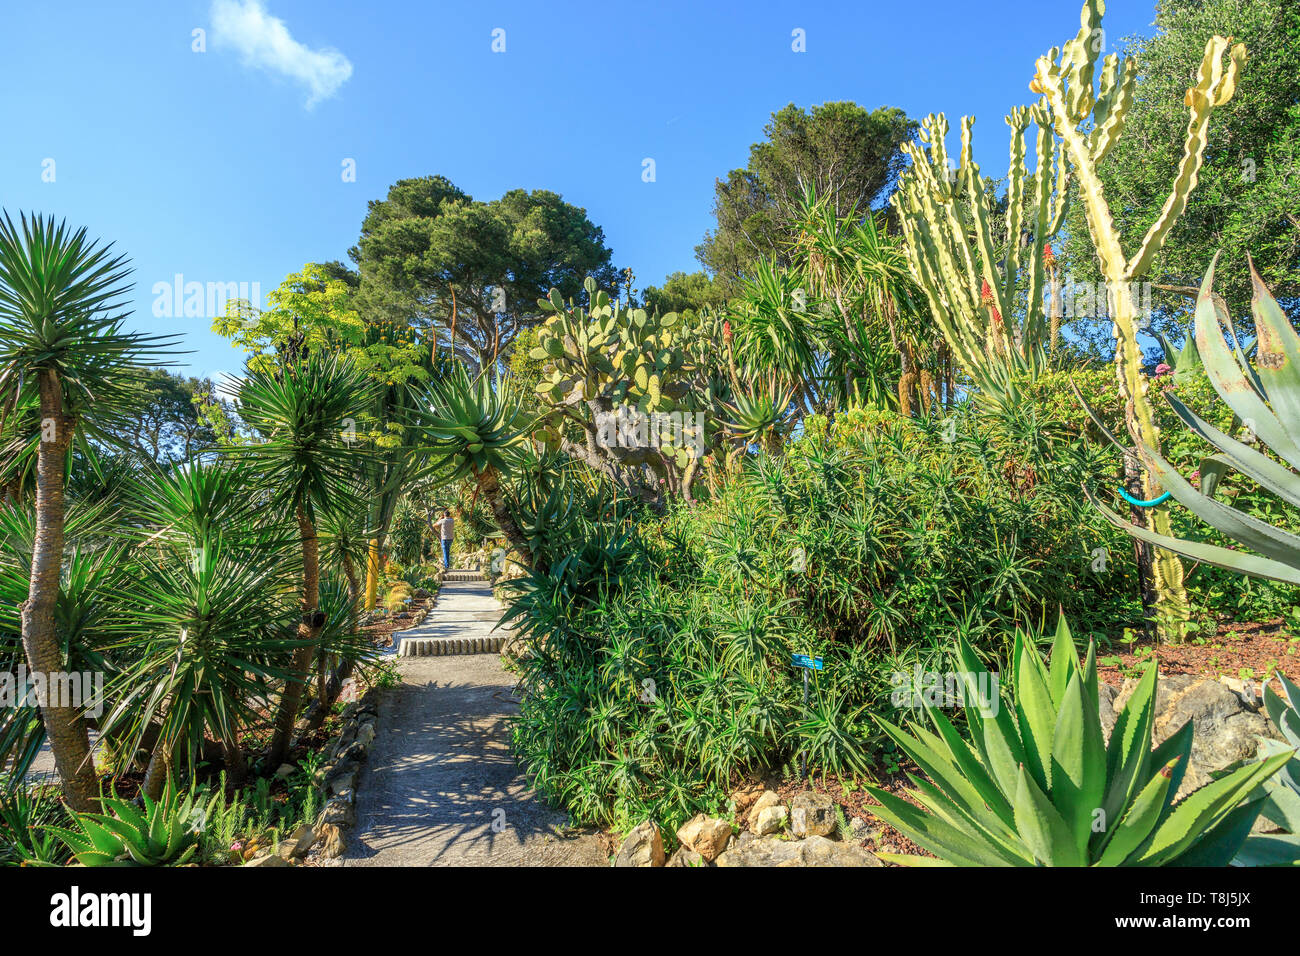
<point x="445" y="527"/>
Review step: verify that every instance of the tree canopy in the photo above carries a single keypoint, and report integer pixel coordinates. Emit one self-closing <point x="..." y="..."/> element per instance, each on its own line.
<point x="842" y="151"/>
<point x="433" y="256"/>
<point x="1247" y="201"/>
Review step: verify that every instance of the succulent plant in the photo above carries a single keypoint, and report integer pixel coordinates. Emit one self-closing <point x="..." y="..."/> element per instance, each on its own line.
<point x="1037" y="784"/>
<point x="161" y="833"/>
<point x="1266" y="398"/>
<point x="1280" y="795"/>
<point x="1088" y="122"/>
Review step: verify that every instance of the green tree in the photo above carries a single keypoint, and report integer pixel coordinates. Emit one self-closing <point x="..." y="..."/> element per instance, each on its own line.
<point x="682" y="292"/>
<point x="1247" y="201"/>
<point x="471" y="272"/>
<point x="165" y="422"/>
<point x="844" y="153"/>
<point x="306" y="456"/>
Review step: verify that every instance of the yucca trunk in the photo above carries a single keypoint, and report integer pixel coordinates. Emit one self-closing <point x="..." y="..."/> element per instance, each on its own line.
<point x="489" y="486"/>
<point x="159" y="769"/>
<point x="372" y="574"/>
<point x="302" y="657"/>
<point x="64" y="727"/>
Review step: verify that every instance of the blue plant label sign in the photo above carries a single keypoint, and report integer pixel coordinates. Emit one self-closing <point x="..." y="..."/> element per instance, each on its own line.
<point x="803" y="660"/>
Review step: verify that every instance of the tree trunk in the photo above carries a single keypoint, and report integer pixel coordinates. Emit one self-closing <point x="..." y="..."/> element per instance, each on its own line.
<point x="302" y="657"/>
<point x="489" y="485"/>
<point x="160" y="766"/>
<point x="64" y="727"/>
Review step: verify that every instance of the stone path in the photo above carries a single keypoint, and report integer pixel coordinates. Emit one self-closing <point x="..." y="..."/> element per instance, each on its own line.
<point x="440" y="787"/>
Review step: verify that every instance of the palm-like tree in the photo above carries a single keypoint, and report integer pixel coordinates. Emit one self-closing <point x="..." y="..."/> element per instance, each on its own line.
<point x="308" y="460"/>
<point x="62" y="347"/>
<point x="477" y="427"/>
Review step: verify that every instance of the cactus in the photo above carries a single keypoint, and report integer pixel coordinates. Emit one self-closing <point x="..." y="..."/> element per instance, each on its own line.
<point x="609" y="360"/>
<point x="974" y="294"/>
<point x="1088" y="123"/>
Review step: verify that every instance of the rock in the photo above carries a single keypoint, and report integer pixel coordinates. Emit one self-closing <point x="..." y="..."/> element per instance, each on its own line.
<point x="768" y="798"/>
<point x="340" y="812"/>
<point x="297" y="845"/>
<point x="268" y="859"/>
<point x="686" y="857"/>
<point x="743" y="837"/>
<point x="744" y="798"/>
<point x="860" y="831"/>
<point x="1224" y="727"/>
<point x="366" y="734"/>
<point x="812" y="814"/>
<point x="813" y="851"/>
<point x="342" y="782"/>
<point x="332" y="839"/>
<point x="285" y="771"/>
<point x="770" y="820"/>
<point x="642" y="847"/>
<point x="1106" y="694"/>
<point x="707" y="836"/>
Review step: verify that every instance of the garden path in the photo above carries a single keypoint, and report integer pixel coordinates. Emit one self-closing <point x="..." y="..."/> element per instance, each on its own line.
<point x="440" y="786"/>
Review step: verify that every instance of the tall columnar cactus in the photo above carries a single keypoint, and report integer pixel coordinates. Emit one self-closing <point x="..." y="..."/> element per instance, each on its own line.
<point x="1088" y="122"/>
<point x="972" y="281"/>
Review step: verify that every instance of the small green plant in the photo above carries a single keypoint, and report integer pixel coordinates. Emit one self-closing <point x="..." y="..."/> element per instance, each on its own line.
<point x="163" y="832"/>
<point x="26" y="814"/>
<point x="1041" y="787"/>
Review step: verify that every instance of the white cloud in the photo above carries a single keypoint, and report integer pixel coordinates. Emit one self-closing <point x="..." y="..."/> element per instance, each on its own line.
<point x="264" y="41"/>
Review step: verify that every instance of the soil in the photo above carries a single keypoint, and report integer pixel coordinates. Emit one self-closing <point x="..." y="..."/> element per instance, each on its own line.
<point x="1250" y="651"/>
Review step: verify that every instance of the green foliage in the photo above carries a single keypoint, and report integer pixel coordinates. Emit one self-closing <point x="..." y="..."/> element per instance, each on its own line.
<point x="1265" y="397"/>
<point x="161" y="833"/>
<point x="427" y="244"/>
<point x="1040" y="786"/>
<point x="26" y="814"/>
<point x="658" y="653"/>
<point x="1248" y="186"/>
<point x="839" y="149"/>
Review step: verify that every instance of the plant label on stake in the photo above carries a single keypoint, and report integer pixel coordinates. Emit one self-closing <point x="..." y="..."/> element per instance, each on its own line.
<point x="806" y="663"/>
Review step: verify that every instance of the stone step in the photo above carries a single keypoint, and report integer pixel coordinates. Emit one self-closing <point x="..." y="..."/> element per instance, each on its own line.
<point x="440" y="646"/>
<point x="464" y="576"/>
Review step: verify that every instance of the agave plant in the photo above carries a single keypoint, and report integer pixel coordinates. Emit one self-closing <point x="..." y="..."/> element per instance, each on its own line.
<point x="477" y="427"/>
<point x="760" y="417"/>
<point x="1280" y="794"/>
<point x="1040" y="786"/>
<point x="1266" y="399"/>
<point x="163" y="832"/>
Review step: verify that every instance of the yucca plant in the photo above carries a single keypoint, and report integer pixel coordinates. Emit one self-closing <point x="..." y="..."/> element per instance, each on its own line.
<point x="163" y="832"/>
<point x="1037" y="785"/>
<point x="477" y="427"/>
<point x="1266" y="398"/>
<point x="62" y="351"/>
<point x="302" y="412"/>
<point x="1280" y="795"/>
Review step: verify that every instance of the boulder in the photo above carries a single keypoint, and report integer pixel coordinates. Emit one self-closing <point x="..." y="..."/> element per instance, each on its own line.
<point x="813" y="851"/>
<point x="768" y="798"/>
<point x="268" y="859"/>
<point x="770" y="820"/>
<point x="707" y="836"/>
<point x="340" y="811"/>
<point x="744" y="798"/>
<point x="812" y="814"/>
<point x="1224" y="724"/>
<point x="642" y="847"/>
<point x="333" y="840"/>
<point x="860" y="831"/>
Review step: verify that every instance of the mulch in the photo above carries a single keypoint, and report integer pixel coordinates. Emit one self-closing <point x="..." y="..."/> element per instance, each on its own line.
<point x="1248" y="651"/>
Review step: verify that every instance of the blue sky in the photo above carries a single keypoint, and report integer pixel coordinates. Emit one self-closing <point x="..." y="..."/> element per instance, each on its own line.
<point x="226" y="165"/>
